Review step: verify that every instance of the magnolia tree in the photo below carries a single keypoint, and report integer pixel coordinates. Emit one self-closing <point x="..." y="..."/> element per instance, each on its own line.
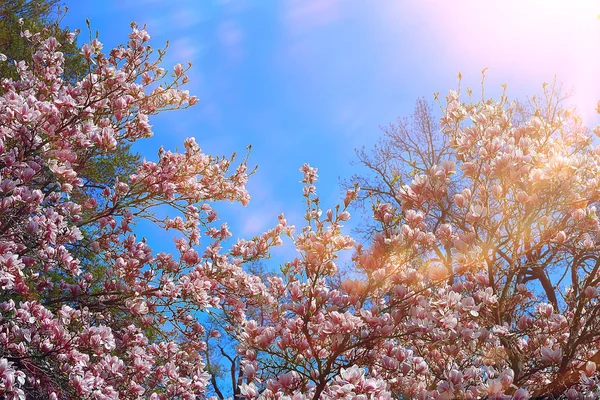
<point x="498" y="202"/>
<point x="481" y="280"/>
<point x="86" y="309"/>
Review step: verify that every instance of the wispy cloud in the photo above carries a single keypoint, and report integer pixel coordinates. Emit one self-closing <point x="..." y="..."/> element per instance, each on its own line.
<point x="185" y="48"/>
<point x="300" y="15"/>
<point x="231" y="37"/>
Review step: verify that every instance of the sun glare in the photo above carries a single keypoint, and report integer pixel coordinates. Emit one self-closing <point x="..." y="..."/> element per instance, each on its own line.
<point x="530" y="40"/>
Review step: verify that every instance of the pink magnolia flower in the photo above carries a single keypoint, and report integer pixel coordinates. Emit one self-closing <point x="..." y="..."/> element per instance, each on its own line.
<point x="551" y="356"/>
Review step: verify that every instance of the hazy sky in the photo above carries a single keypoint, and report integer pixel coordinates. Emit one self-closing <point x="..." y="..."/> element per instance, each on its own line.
<point x="311" y="80"/>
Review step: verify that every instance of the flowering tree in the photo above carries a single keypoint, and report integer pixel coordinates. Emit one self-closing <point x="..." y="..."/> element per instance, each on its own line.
<point x="509" y="193"/>
<point x="481" y="280"/>
<point x="67" y="331"/>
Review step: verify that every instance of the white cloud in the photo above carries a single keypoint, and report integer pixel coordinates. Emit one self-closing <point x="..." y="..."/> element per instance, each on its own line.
<point x="231" y="39"/>
<point x="299" y="15"/>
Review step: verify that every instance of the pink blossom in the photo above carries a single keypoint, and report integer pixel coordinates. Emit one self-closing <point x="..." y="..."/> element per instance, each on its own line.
<point x="550" y="356"/>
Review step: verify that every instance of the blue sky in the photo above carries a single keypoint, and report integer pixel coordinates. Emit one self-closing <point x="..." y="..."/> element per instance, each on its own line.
<point x="311" y="80"/>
